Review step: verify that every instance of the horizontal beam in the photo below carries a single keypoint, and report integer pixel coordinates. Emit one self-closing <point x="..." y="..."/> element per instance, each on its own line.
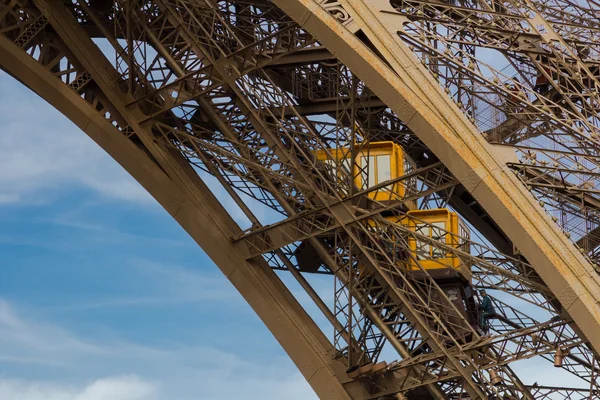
<point x="326" y="106"/>
<point x="323" y="220"/>
<point x="304" y="56"/>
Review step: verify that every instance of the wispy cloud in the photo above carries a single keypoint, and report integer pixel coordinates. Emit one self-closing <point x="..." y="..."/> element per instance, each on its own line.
<point x="114" y="388"/>
<point x="105" y="233"/>
<point x="156" y="284"/>
<point x="141" y="372"/>
<point x="41" y="150"/>
<point x="26" y="340"/>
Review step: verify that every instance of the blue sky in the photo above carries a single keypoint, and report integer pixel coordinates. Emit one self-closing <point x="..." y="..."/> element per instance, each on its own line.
<point x="102" y="294"/>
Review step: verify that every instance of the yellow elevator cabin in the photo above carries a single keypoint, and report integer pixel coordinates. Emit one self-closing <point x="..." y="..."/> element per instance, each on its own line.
<point x="375" y="163"/>
<point x="442" y="225"/>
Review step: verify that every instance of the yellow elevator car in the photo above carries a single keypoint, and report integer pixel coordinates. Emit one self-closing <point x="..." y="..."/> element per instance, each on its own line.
<point x="375" y="163"/>
<point x="444" y="226"/>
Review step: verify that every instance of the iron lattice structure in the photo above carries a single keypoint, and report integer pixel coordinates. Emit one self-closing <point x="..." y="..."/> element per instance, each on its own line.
<point x="495" y="104"/>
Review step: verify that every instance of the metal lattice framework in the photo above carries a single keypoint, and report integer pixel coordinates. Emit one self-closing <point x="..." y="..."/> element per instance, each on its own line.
<point x="495" y="104"/>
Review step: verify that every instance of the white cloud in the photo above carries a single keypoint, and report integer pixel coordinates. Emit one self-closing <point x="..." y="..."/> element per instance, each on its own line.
<point x="102" y="232"/>
<point x="41" y="150"/>
<point x="182" y="371"/>
<point x="27" y="340"/>
<point x="114" y="388"/>
<point x="155" y="284"/>
<point x="133" y="388"/>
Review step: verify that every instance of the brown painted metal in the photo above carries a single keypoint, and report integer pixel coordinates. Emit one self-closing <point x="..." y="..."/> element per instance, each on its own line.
<point x="250" y="91"/>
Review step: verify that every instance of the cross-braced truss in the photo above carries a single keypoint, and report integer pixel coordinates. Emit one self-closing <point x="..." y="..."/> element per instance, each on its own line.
<point x="258" y="93"/>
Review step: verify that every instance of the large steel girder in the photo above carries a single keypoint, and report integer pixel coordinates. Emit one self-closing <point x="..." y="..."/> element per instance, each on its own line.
<point x="170" y="181"/>
<point x="300" y="228"/>
<point x="95" y="67"/>
<point x="139" y="126"/>
<point x="408" y="89"/>
<point x="91" y="62"/>
<point x="414" y="304"/>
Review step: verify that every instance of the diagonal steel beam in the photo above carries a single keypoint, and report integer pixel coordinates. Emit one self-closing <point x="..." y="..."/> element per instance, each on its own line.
<point x="399" y="80"/>
<point x="320" y="221"/>
<point x="188" y="200"/>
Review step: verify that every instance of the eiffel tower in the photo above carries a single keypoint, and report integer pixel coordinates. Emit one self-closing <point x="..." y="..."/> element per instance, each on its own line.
<point x="414" y="151"/>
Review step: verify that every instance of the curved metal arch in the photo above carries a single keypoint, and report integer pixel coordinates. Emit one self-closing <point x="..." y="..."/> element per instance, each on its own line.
<point x="187" y="193"/>
<point x="190" y="202"/>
